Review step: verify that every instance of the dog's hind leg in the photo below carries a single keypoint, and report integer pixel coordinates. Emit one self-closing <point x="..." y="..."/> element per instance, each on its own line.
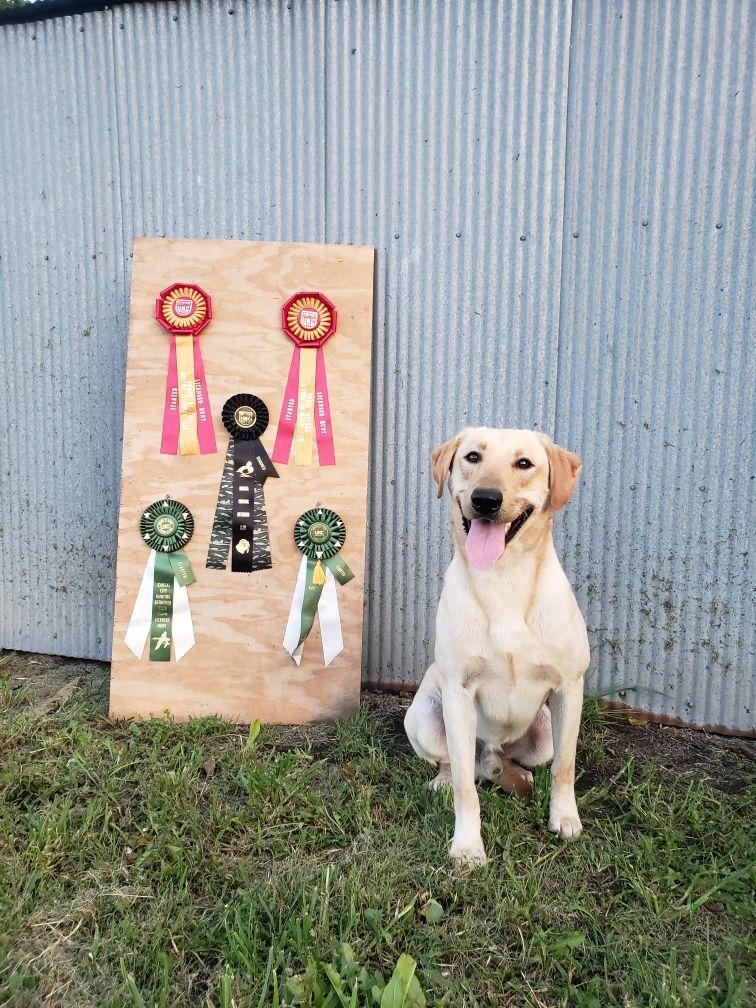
<point x="491" y="764"/>
<point x="424" y="725"/>
<point x="537" y="745"/>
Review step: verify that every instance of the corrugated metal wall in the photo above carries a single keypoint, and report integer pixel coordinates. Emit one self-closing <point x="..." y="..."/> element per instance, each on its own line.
<point x="447" y="154"/>
<point x="656" y="361"/>
<point x="469" y="143"/>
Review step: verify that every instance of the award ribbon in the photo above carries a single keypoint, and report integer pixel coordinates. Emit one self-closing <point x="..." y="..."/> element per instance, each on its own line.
<point x="240" y="522"/>
<point x="161" y="611"/>
<point x="308" y="319"/>
<point x="184" y="310"/>
<point x="319" y="534"/>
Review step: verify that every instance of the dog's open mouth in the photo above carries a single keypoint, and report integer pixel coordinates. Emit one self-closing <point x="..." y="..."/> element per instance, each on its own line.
<point x="486" y="540"/>
<point x="517" y="524"/>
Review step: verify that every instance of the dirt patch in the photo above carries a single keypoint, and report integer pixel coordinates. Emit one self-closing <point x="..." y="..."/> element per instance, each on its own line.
<point x="40" y="677"/>
<point x="728" y="763"/>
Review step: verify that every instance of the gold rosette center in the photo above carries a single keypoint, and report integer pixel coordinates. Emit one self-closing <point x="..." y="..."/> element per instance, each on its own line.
<point x="184" y="308"/>
<point x="308" y="318"/>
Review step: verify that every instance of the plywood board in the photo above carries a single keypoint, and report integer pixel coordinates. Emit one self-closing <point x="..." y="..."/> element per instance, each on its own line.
<point x="238" y="667"/>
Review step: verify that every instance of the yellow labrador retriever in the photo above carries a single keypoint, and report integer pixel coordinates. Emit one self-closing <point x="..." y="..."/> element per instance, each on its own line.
<point x="511" y="643"/>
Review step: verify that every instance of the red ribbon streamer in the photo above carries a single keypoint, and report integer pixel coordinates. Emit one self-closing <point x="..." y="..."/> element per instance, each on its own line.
<point x="287" y="421"/>
<point x="205" y="432"/>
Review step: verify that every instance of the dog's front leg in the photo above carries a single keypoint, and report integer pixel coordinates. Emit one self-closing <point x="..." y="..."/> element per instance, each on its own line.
<point x="460" y="720"/>
<point x="565" y="706"/>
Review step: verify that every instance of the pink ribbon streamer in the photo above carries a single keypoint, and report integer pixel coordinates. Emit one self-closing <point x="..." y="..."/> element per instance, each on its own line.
<point x="288" y="418"/>
<point x="170" y="438"/>
<point x="169" y="443"/>
<point x="323" y="425"/>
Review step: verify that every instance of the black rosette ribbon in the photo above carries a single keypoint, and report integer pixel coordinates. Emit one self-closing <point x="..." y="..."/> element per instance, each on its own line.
<point x="240" y="523"/>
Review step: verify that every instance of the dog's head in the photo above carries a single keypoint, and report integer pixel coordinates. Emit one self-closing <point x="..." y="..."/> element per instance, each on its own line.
<point x="498" y="480"/>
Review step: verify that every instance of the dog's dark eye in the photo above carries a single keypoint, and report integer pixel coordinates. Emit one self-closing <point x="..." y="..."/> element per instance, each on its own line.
<point x="473" y="457"/>
<point x="524" y="463"/>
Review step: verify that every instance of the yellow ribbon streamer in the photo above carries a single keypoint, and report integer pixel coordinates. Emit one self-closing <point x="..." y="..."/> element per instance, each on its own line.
<point x="318" y="574"/>
<point x="303" y="433"/>
<point x="188" y="443"/>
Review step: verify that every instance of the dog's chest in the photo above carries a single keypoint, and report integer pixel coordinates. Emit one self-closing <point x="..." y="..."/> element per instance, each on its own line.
<point x="507" y="700"/>
<point x="501" y="645"/>
<point x="508" y="665"/>
<point x="503" y="622"/>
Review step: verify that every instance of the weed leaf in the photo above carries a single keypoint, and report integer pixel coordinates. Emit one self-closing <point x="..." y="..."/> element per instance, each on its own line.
<point x="403" y="989"/>
<point x="254" y="731"/>
<point x="433" y="911"/>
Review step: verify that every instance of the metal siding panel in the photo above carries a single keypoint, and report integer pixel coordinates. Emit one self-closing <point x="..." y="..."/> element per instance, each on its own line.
<point x="61" y="278"/>
<point x="221" y="117"/>
<point x="446" y="140"/>
<point x="656" y="369"/>
<point x="161" y="119"/>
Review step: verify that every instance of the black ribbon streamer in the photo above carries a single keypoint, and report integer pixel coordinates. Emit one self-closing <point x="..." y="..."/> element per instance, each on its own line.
<point x="220" y="536"/>
<point x="240" y="520"/>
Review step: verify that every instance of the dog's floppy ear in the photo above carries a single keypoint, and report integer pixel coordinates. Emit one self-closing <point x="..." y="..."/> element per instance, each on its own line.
<point x="564" y="469"/>
<point x="441" y="461"/>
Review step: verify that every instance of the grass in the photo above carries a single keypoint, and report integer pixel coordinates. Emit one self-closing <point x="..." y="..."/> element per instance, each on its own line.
<point x="158" y="864"/>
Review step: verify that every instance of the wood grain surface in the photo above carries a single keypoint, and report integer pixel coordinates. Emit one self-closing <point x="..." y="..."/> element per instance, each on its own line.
<point x="238" y="667"/>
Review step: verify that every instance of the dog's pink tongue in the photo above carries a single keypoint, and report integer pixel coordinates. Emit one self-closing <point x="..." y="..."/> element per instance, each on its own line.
<point x="485" y="543"/>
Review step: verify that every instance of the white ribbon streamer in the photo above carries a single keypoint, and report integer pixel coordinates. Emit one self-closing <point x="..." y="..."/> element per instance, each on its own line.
<point x="328" y="614"/>
<point x="294" y="624"/>
<point x="182" y="629"/>
<point x="330" y="621"/>
<point x="138" y="629"/>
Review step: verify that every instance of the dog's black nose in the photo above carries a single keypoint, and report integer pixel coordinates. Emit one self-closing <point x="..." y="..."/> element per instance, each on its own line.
<point x="486" y="501"/>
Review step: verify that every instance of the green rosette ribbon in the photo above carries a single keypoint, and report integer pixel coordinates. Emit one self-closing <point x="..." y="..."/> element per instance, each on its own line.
<point x="161" y="611"/>
<point x="319" y="534"/>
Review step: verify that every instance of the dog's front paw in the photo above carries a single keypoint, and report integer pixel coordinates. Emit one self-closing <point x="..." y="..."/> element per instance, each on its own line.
<point x="469" y="852"/>
<point x="566" y="824"/>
